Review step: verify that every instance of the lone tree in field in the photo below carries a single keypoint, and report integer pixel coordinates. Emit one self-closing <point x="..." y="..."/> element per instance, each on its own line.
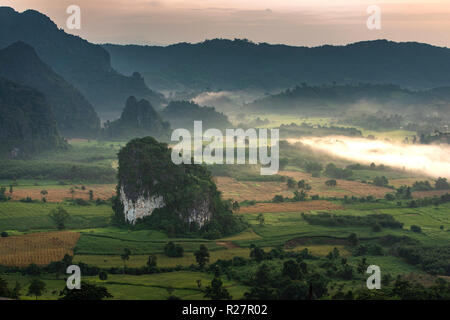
<point x="152" y="261"/>
<point x="353" y="239"/>
<point x="72" y="192"/>
<point x="331" y="183"/>
<point x="380" y="181"/>
<point x="202" y="256"/>
<point x="302" y="184"/>
<point x="291" y="183"/>
<point x="59" y="216"/>
<point x="261" y="219"/>
<point x="36" y="288"/>
<point x="44" y="193"/>
<point x="278" y="198"/>
<point x="103" y="275"/>
<point x="125" y="256"/>
<point x="236" y="206"/>
<point x="216" y="291"/>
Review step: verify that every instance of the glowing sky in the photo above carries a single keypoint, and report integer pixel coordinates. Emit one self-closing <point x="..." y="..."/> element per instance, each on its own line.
<point x="294" y="22"/>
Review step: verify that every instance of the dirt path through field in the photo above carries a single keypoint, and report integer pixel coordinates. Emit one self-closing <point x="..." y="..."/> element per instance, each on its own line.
<point x="227" y="244"/>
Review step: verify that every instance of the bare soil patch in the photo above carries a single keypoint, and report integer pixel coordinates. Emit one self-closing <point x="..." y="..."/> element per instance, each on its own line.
<point x="227" y="244"/>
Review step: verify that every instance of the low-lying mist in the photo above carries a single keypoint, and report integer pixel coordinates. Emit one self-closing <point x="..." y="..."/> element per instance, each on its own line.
<point x="433" y="160"/>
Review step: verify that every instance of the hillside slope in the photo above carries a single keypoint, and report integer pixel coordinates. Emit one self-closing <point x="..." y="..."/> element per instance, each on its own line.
<point x="75" y="116"/>
<point x="27" y="125"/>
<point x="85" y="65"/>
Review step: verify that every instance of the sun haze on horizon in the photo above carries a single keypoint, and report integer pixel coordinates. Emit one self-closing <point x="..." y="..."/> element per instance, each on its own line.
<point x="292" y="22"/>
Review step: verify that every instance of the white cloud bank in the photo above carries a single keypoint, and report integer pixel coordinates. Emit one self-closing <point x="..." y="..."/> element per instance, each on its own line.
<point x="433" y="160"/>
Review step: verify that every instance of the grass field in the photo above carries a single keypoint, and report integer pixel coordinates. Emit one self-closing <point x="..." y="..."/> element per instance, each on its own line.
<point x="113" y="241"/>
<point x="93" y="241"/>
<point x="145" y="287"/>
<point x="34" y="216"/>
<point x="301" y="206"/>
<point x="163" y="260"/>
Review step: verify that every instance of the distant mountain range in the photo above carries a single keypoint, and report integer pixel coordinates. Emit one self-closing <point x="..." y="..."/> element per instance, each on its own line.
<point x="182" y="114"/>
<point x="27" y="125"/>
<point x="85" y="65"/>
<point x="234" y="65"/>
<point x="75" y="116"/>
<point x="367" y="98"/>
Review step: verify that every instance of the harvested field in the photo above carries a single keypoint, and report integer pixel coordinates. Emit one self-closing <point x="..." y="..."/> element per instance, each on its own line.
<point x="38" y="248"/>
<point x="265" y="191"/>
<point x="251" y="190"/>
<point x="59" y="193"/>
<point x="344" y="187"/>
<point x="301" y="206"/>
<point x="429" y="194"/>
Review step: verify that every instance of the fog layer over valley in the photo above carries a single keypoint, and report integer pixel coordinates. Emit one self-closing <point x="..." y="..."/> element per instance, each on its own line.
<point x="430" y="159"/>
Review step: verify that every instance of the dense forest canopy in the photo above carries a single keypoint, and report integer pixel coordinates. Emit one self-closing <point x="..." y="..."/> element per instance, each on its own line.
<point x="75" y="116"/>
<point x="27" y="125"/>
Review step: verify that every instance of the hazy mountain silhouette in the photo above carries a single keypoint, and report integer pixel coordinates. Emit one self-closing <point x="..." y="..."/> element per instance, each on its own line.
<point x="27" y="125"/>
<point x="85" y="65"/>
<point x="230" y="65"/>
<point x="138" y="119"/>
<point x="182" y="114"/>
<point x="333" y="99"/>
<point x="74" y="114"/>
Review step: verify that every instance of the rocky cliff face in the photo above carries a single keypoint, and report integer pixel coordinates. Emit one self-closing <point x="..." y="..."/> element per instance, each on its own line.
<point x="143" y="206"/>
<point x="151" y="186"/>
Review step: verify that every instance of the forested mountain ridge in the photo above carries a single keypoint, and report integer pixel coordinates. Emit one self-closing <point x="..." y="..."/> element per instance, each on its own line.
<point x="221" y="64"/>
<point x="75" y="116"/>
<point x="85" y="65"/>
<point x="182" y="114"/>
<point x="27" y="125"/>
<point x="331" y="98"/>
